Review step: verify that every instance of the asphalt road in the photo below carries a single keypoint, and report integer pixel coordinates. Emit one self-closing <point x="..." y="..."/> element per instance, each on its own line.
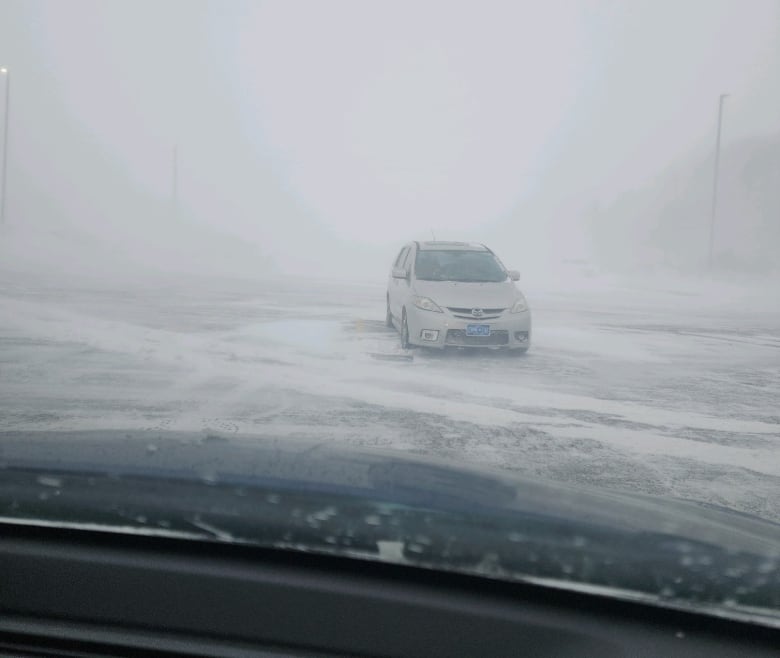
<point x="670" y="392"/>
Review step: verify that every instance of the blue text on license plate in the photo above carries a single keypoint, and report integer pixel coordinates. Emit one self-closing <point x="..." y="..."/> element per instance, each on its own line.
<point x="477" y="329"/>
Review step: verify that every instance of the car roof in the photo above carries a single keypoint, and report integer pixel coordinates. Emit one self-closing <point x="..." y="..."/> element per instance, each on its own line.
<point x="451" y="246"/>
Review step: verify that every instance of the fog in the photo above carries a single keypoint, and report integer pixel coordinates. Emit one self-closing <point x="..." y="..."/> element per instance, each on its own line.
<point x="204" y="200"/>
<point x="316" y="138"/>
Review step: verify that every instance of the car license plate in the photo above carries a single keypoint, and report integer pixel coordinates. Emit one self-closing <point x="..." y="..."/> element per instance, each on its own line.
<point x="477" y="329"/>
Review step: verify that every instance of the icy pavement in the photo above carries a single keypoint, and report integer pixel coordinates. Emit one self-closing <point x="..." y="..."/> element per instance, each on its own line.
<point x="662" y="391"/>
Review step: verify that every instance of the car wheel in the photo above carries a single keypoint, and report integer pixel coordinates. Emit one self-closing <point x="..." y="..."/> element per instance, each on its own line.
<point x="388" y="315"/>
<point x="405" y="345"/>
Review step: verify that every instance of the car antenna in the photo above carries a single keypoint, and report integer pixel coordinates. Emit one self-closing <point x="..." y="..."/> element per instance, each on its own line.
<point x="434" y="235"/>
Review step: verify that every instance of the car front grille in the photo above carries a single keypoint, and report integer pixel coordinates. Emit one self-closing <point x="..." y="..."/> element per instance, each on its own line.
<point x="487" y="313"/>
<point x="458" y="337"/>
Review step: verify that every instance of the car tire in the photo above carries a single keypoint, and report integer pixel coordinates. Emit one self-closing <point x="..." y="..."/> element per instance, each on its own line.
<point x="388" y="315"/>
<point x="405" y="344"/>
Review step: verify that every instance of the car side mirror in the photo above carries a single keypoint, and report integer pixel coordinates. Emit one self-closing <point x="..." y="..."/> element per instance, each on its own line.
<point x="514" y="275"/>
<point x="400" y="273"/>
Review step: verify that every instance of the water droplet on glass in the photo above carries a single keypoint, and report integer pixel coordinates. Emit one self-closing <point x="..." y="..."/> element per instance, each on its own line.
<point x="209" y="478"/>
<point x="43" y="496"/>
<point x="49" y="481"/>
<point x="140" y="518"/>
<point x="164" y="524"/>
<point x="325" y="514"/>
<point x="580" y="541"/>
<point x="274" y="499"/>
<point x="679" y="634"/>
<point x="667" y="592"/>
<point x="372" y="519"/>
<point x="151" y="448"/>
<point x="516" y="536"/>
<point x="414" y="548"/>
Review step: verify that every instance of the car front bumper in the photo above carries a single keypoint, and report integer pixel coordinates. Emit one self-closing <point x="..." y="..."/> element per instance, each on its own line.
<point x="440" y="330"/>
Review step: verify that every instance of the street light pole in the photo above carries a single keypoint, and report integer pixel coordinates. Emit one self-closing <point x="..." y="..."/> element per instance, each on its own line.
<point x="715" y="180"/>
<point x="3" y="175"/>
<point x="175" y="182"/>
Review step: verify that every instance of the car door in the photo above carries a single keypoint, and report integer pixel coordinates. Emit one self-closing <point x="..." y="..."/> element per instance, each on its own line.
<point x="393" y="290"/>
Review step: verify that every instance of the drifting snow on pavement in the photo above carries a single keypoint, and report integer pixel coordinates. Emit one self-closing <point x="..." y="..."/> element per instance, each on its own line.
<point x="662" y="393"/>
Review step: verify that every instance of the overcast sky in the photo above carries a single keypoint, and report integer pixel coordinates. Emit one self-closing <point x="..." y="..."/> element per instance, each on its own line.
<point x="358" y="123"/>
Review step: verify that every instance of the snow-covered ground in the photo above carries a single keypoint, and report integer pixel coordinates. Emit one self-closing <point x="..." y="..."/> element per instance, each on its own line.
<point x="661" y="387"/>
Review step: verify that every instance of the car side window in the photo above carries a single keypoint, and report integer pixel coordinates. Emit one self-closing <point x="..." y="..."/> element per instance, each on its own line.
<point x="408" y="260"/>
<point x="400" y="258"/>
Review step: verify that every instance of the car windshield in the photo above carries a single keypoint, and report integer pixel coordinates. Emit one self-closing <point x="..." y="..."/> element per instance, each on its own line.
<point x="220" y="221"/>
<point x="458" y="265"/>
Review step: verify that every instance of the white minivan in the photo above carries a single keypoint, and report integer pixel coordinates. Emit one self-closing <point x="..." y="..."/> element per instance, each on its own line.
<point x="457" y="294"/>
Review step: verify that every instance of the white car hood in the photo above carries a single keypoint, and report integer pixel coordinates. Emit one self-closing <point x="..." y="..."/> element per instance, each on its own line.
<point x="469" y="295"/>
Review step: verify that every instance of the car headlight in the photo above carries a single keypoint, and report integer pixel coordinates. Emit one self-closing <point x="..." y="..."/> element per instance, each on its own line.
<point x="519" y="306"/>
<point x="426" y="304"/>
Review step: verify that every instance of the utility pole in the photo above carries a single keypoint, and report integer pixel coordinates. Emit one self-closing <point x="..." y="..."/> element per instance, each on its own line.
<point x="715" y="180"/>
<point x="175" y="182"/>
<point x="5" y="73"/>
